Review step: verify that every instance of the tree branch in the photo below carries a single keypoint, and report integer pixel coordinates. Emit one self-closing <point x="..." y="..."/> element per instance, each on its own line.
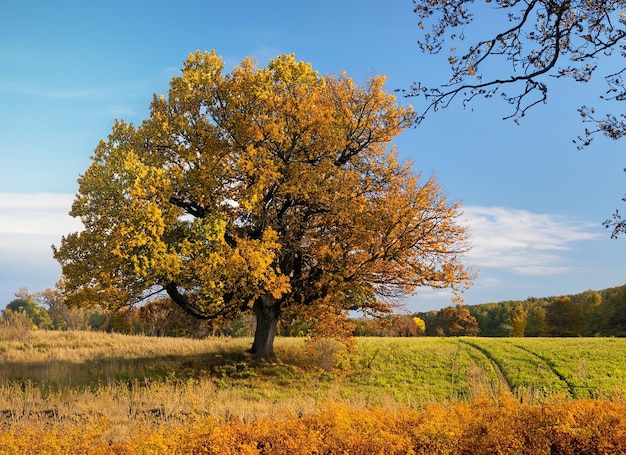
<point x="442" y="99"/>
<point x="190" y="207"/>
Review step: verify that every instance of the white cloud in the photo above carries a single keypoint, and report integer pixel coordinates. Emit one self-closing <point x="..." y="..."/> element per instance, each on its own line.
<point x="27" y="89"/>
<point x="504" y="241"/>
<point x="516" y="240"/>
<point x="523" y="242"/>
<point x="121" y="90"/>
<point x="30" y="223"/>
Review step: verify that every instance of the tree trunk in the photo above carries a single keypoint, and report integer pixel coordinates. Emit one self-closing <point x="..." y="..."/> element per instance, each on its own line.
<point x="267" y="311"/>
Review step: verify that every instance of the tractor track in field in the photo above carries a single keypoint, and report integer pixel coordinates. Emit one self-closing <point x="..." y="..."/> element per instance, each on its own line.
<point x="539" y="361"/>
<point x="497" y="366"/>
<point x="550" y="364"/>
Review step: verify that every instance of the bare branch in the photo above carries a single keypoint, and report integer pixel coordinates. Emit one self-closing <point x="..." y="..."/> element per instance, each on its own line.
<point x="543" y="35"/>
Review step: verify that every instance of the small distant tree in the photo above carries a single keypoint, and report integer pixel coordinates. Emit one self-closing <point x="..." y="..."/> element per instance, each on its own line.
<point x="99" y="320"/>
<point x="58" y="312"/>
<point x="400" y="325"/>
<point x="454" y="321"/>
<point x="518" y="320"/>
<point x="564" y="318"/>
<point x="536" y="325"/>
<point x="595" y="313"/>
<point x="614" y="300"/>
<point x="493" y="319"/>
<point x="367" y="327"/>
<point x="420" y="325"/>
<point x="25" y="303"/>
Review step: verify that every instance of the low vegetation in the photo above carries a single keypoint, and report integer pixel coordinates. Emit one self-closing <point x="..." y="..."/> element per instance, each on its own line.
<point x="92" y="392"/>
<point x="482" y="427"/>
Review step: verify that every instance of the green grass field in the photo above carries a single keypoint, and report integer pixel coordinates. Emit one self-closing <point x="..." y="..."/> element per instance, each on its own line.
<point x="411" y="371"/>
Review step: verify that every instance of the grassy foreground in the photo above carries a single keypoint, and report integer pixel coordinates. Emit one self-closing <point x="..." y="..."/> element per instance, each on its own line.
<point x="87" y="392"/>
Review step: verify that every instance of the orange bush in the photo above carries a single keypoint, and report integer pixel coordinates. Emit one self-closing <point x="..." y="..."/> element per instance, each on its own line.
<point x="482" y="427"/>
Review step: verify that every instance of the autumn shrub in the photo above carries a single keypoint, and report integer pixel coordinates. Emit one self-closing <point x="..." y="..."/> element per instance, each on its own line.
<point x="330" y="337"/>
<point x="581" y="427"/>
<point x="327" y="352"/>
<point x="15" y="325"/>
<point x="508" y="427"/>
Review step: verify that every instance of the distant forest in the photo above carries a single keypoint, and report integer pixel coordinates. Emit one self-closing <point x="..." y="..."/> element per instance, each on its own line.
<point x="591" y="313"/>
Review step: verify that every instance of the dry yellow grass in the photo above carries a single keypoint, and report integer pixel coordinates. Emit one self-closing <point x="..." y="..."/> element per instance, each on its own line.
<point x="52" y="378"/>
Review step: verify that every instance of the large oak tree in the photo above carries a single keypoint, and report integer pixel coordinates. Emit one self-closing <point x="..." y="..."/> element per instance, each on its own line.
<point x="271" y="189"/>
<point x="518" y="48"/>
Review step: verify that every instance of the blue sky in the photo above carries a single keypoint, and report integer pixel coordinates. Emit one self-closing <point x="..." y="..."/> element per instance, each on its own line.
<point x="533" y="202"/>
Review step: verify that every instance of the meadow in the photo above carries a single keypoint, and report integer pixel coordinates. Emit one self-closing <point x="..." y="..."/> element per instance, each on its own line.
<point x="91" y="392"/>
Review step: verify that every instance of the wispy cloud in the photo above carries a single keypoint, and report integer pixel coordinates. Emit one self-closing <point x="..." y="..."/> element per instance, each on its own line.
<point x="523" y="242"/>
<point x="124" y="90"/>
<point x="26" y="89"/>
<point x="505" y="242"/>
<point x="514" y="240"/>
<point x="30" y="223"/>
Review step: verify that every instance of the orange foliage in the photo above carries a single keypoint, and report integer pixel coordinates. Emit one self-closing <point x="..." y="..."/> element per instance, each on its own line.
<point x="482" y="427"/>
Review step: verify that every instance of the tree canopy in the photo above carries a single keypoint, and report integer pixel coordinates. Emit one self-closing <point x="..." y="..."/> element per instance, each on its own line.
<point x="453" y="321"/>
<point x="272" y="189"/>
<point x="520" y="47"/>
<point x="25" y="303"/>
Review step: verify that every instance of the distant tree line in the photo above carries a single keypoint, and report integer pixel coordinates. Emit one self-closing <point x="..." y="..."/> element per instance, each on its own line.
<point x="591" y="313"/>
<point x="161" y="317"/>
